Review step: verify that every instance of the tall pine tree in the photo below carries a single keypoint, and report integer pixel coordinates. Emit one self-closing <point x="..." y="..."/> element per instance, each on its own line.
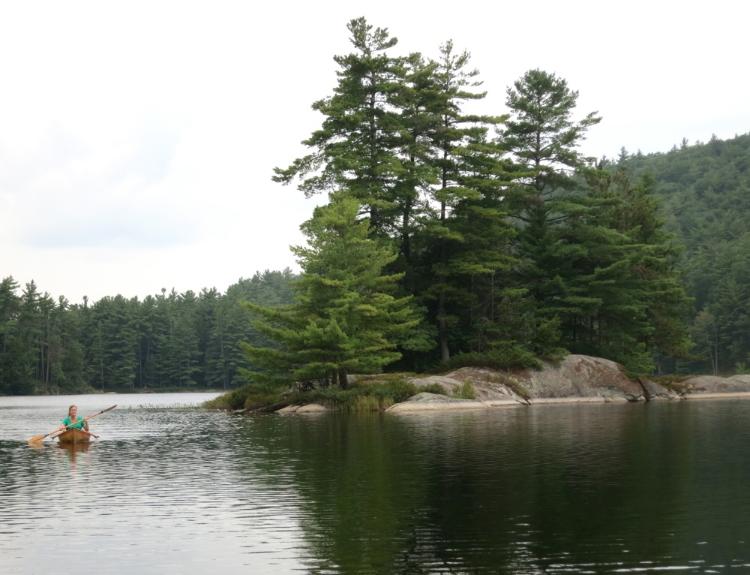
<point x="346" y="317"/>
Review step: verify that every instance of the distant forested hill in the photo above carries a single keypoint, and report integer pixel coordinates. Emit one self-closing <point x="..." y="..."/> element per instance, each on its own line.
<point x="705" y="195"/>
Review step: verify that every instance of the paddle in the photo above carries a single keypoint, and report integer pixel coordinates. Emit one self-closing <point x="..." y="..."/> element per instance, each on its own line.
<point x="56" y="432"/>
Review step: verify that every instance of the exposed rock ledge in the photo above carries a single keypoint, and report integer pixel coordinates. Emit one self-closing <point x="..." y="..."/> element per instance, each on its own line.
<point x="302" y="409"/>
<point x="576" y="379"/>
<point x="435" y="402"/>
<point x="711" y="386"/>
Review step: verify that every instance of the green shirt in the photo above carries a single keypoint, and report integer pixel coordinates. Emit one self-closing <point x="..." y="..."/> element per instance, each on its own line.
<point x="79" y="423"/>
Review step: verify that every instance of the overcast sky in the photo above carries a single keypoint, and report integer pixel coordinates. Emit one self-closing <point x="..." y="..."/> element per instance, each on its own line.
<point x="137" y="140"/>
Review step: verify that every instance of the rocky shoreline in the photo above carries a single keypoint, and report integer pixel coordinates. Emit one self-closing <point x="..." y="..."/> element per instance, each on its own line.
<point x="576" y="379"/>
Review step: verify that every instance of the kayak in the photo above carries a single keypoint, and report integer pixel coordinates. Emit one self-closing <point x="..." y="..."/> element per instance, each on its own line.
<point x="73" y="436"/>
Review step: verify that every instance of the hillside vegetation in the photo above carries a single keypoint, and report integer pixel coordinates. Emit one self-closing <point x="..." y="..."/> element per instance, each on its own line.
<point x="704" y="190"/>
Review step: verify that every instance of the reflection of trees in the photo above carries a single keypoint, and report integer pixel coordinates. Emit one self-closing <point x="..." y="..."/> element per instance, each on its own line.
<point x="520" y="490"/>
<point x="359" y="484"/>
<point x="713" y="516"/>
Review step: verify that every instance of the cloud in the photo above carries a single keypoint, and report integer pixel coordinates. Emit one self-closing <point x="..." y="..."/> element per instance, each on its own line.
<point x="109" y="192"/>
<point x="114" y="228"/>
<point x="137" y="140"/>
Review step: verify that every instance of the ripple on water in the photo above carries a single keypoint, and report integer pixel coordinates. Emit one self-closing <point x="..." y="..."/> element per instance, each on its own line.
<point x="573" y="489"/>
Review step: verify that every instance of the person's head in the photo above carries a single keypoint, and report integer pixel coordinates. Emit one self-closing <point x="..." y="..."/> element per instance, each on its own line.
<point x="73" y="411"/>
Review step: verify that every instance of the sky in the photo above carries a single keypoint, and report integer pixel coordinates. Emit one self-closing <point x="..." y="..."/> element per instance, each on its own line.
<point x="138" y="139"/>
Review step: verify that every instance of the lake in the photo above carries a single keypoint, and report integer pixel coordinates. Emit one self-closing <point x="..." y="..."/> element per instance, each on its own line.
<point x="169" y="488"/>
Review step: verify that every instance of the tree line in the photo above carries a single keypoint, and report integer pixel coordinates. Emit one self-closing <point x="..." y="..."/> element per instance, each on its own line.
<point x="167" y="341"/>
<point x="705" y="192"/>
<point x="455" y="238"/>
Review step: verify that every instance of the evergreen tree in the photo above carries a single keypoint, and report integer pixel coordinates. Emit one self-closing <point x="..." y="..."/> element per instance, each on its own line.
<point x="624" y="298"/>
<point x="356" y="150"/>
<point x="542" y="137"/>
<point x="11" y="369"/>
<point x="464" y="238"/>
<point x="345" y="317"/>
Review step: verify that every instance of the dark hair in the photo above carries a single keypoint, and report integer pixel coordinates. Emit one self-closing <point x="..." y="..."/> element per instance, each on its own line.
<point x="71" y="407"/>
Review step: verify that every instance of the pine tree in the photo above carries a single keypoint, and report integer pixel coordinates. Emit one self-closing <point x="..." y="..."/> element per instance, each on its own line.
<point x="345" y="318"/>
<point x="356" y="150"/>
<point x="542" y="137"/>
<point x="11" y="369"/>
<point x="465" y="236"/>
<point x="623" y="298"/>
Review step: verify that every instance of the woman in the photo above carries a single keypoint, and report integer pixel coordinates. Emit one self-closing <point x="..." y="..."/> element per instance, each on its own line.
<point x="73" y="421"/>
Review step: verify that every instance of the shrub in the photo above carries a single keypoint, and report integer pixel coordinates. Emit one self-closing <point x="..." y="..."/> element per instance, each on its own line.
<point x="433" y="388"/>
<point x="245" y="397"/>
<point x="465" y="391"/>
<point x="234" y="399"/>
<point x="371" y="394"/>
<point x="397" y="389"/>
<point x="505" y="357"/>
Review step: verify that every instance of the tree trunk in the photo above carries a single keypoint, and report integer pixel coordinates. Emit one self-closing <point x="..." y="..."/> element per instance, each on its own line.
<point x="445" y="353"/>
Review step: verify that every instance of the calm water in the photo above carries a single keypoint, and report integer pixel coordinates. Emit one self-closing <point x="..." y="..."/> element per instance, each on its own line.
<point x="555" y="489"/>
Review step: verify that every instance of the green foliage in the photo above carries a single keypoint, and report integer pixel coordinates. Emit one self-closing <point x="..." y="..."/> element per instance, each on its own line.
<point x="465" y="391"/>
<point x="435" y="388"/>
<point x="501" y="358"/>
<point x="232" y="400"/>
<point x="346" y="318"/>
<point x="515" y="242"/>
<point x="358" y="147"/>
<point x="168" y="341"/>
<point x="369" y="395"/>
<point x="704" y="190"/>
<point x="548" y="202"/>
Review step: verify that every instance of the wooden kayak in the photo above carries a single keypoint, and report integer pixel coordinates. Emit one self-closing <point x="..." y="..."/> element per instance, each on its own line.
<point x="73" y="436"/>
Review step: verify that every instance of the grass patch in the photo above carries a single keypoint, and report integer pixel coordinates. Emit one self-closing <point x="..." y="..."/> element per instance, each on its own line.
<point x="465" y="391"/>
<point x="435" y="388"/>
<point x="365" y="395"/>
<point x="518" y="388"/>
<point x="245" y="397"/>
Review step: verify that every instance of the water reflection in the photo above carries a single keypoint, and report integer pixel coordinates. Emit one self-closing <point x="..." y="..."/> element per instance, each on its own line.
<point x="549" y="490"/>
<point x="72" y="450"/>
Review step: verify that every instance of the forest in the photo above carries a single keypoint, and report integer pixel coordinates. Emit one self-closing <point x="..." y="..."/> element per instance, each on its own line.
<point x="704" y="194"/>
<point x="449" y="238"/>
<point x="169" y="341"/>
